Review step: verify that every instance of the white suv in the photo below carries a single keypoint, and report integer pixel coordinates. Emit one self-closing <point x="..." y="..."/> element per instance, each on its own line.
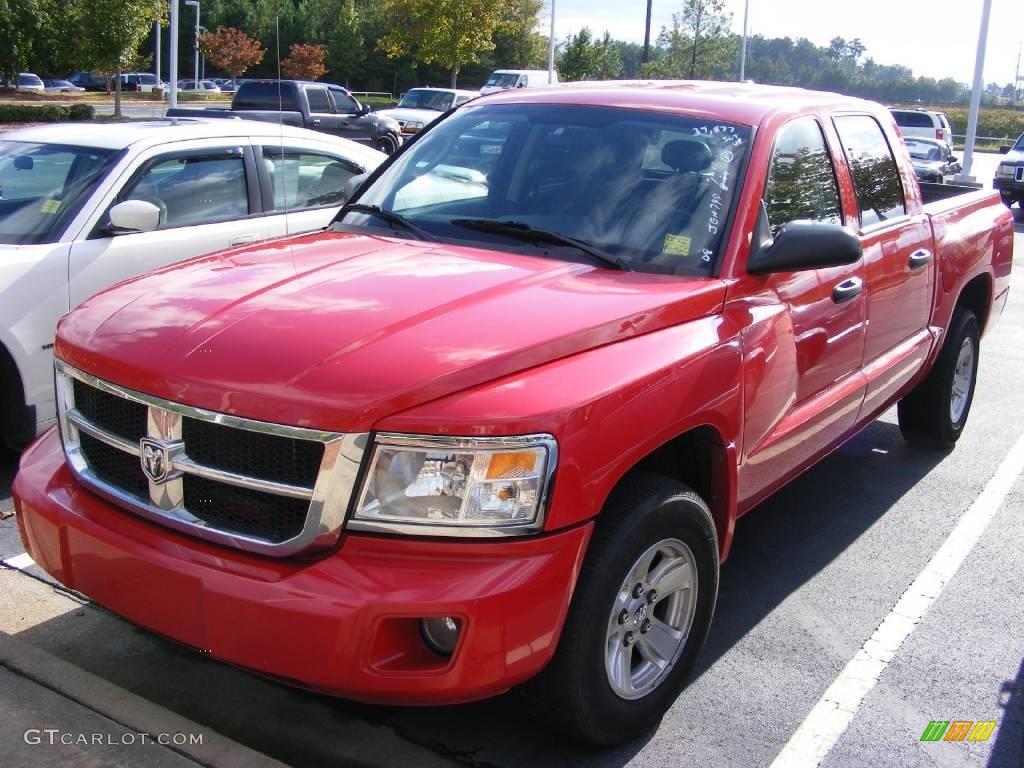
<point x="924" y="124"/>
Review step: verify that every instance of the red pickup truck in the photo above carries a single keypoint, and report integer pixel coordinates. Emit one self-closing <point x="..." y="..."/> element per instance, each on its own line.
<point x="494" y="427"/>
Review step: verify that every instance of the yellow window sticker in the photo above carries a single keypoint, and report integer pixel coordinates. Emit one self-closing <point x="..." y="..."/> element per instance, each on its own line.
<point x="676" y="245"/>
<point x="50" y="206"/>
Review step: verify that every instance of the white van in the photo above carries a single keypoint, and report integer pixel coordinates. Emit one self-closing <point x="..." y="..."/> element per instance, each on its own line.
<point x="501" y="79"/>
<point x="923" y="123"/>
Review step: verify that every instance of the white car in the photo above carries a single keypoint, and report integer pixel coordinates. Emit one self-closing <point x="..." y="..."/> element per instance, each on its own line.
<point x="422" y="106"/>
<point x="84" y="206"/>
<point x="62" y="86"/>
<point x="202" y="86"/>
<point x="29" y="82"/>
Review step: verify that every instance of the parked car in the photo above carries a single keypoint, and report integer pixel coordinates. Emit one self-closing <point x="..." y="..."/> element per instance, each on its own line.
<point x="142" y="82"/>
<point x="933" y="161"/>
<point x="1009" y="178"/>
<point x="91" y="81"/>
<point x="319" y="106"/>
<point x="28" y="82"/>
<point x="503" y="79"/>
<point x="227" y="85"/>
<point x="923" y="123"/>
<point x="61" y="86"/>
<point x="419" y="107"/>
<point x="84" y="206"/>
<point x="465" y="442"/>
<point x="203" y="86"/>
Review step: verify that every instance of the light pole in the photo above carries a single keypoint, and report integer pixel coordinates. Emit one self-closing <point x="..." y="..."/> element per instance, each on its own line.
<point x="743" y="50"/>
<point x="195" y="43"/>
<point x="551" y="45"/>
<point x="172" y="55"/>
<point x="972" y="115"/>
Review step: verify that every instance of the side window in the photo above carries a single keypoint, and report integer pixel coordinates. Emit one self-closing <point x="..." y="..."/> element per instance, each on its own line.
<point x="305" y="179"/>
<point x="876" y="178"/>
<point x="343" y="102"/>
<point x="318" y="101"/>
<point x="194" y="189"/>
<point x="801" y="179"/>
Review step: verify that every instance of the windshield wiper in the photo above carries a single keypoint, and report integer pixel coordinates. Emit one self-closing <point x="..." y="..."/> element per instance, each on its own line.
<point x="523" y="231"/>
<point x="389" y="216"/>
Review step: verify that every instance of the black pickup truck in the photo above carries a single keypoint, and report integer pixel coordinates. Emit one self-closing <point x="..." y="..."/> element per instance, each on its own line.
<point x="318" y="106"/>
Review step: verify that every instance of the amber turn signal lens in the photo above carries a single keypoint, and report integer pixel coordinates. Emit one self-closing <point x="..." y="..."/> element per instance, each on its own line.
<point x="514" y="464"/>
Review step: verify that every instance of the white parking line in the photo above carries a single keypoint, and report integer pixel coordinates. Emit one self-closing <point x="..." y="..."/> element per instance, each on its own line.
<point x="829" y="718"/>
<point x="21" y="562"/>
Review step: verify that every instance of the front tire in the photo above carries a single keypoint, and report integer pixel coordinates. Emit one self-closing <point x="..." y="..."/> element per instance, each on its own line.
<point x="639" y="616"/>
<point x="1008" y="200"/>
<point x="934" y="413"/>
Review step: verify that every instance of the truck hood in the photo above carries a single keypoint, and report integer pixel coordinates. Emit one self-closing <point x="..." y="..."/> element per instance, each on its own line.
<point x="335" y="331"/>
<point x="404" y="114"/>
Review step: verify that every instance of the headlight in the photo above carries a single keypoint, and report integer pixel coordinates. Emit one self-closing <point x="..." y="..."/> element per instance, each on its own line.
<point x="1005" y="171"/>
<point x="456" y="486"/>
<point x="412" y="127"/>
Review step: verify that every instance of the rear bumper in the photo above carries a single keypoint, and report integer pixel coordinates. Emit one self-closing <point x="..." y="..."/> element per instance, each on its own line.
<point x="346" y="624"/>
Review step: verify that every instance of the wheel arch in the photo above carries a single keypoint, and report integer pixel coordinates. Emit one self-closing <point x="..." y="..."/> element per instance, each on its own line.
<point x="977" y="297"/>
<point x="16" y="423"/>
<point x="703" y="460"/>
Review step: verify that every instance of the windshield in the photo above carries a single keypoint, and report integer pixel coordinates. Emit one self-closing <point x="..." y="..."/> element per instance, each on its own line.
<point x="651" y="190"/>
<point x="503" y="80"/>
<point x="42" y="187"/>
<point x="439" y="101"/>
<point x="919" y="150"/>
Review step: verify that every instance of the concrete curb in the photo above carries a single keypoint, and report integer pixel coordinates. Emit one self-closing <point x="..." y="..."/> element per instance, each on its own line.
<point x="125" y="708"/>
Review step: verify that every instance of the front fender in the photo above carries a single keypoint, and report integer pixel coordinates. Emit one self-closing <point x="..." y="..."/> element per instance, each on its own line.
<point x="608" y="408"/>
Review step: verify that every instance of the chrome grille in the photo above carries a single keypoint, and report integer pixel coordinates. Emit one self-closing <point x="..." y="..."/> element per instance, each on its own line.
<point x="253" y="485"/>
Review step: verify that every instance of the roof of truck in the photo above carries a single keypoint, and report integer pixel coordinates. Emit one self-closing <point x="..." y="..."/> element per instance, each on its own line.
<point x="747" y="103"/>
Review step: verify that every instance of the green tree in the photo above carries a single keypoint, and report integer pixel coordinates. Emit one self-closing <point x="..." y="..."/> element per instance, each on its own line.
<point x="450" y="33"/>
<point x="111" y="32"/>
<point x="578" y="61"/>
<point x="20" y="24"/>
<point x="698" y="45"/>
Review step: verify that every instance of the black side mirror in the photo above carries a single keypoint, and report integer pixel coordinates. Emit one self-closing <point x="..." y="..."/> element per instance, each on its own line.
<point x="1004" y="149"/>
<point x="802" y="245"/>
<point x="364" y="109"/>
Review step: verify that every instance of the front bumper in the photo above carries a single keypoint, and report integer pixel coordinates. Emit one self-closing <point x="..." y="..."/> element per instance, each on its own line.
<point x="1009" y="187"/>
<point x="346" y="624"/>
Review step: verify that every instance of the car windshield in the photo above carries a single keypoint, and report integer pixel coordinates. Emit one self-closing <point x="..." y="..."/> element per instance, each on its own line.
<point x="439" y="101"/>
<point x="653" y="191"/>
<point x="1020" y="143"/>
<point x="922" y="151"/>
<point x="42" y="187"/>
<point x="503" y="80"/>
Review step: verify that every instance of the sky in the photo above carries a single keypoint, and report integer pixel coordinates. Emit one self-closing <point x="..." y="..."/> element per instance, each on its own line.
<point x="935" y="38"/>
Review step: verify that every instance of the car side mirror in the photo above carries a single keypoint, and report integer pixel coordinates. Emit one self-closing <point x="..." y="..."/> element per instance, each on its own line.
<point x="803" y="245"/>
<point x="134" y="216"/>
<point x="364" y="109"/>
<point x="954" y="159"/>
<point x="351" y="186"/>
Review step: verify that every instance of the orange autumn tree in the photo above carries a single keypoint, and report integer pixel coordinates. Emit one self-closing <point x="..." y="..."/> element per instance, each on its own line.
<point x="231" y="50"/>
<point x="305" y="62"/>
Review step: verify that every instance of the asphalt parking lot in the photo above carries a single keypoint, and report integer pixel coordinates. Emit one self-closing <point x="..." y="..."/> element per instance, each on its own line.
<point x="814" y="572"/>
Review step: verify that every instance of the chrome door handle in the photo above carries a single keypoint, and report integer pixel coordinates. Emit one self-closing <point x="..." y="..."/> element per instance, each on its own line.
<point x="314" y="122"/>
<point x="242" y="240"/>
<point x="919" y="258"/>
<point x="847" y="289"/>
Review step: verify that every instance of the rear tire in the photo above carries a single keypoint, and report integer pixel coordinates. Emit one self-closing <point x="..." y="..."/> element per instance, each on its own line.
<point x="387" y="144"/>
<point x="934" y="413"/>
<point x="627" y="649"/>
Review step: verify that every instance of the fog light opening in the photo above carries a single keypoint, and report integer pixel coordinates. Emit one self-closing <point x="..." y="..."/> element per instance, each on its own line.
<point x="441" y="633"/>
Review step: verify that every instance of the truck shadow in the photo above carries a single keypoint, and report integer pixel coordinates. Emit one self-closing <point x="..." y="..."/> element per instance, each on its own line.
<point x="1008" y="750"/>
<point x="779" y="547"/>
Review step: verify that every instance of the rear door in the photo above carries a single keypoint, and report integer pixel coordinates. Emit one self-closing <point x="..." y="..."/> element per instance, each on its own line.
<point x="898" y="257"/>
<point x="208" y="195"/>
<point x="803" y="384"/>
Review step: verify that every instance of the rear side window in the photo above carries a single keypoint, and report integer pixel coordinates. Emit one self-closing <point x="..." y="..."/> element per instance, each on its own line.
<point x="306" y="179"/>
<point x="265" y="95"/>
<point x="801" y="179"/>
<point x="913" y="119"/>
<point x="318" y="101"/>
<point x="875" y="176"/>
